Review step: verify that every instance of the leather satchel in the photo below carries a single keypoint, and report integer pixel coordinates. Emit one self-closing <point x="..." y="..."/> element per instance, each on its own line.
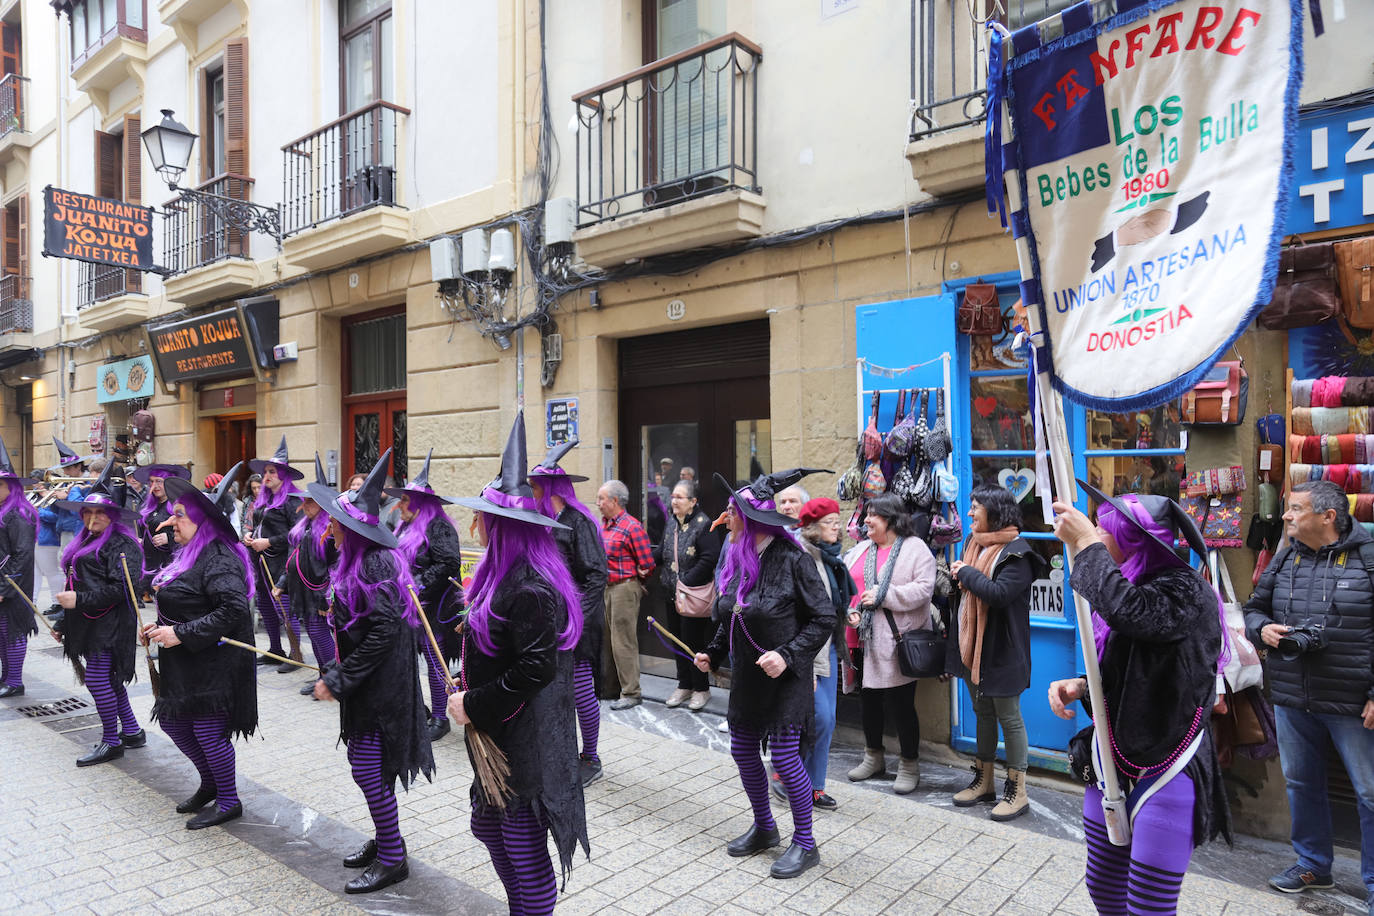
<point x="1220" y="398"/>
<point x="920" y="653"/>
<point x="980" y="314"/>
<point x="1355" y="270"/>
<point x="1306" y="292"/>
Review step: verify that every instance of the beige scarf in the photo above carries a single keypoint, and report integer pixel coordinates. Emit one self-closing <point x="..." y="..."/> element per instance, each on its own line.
<point x="983" y="549"/>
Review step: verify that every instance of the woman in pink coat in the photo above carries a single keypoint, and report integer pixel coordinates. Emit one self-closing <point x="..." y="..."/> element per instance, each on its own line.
<point x="895" y="573"/>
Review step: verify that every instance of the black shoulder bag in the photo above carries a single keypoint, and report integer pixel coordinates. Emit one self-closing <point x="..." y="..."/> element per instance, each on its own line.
<point x="920" y="653"/>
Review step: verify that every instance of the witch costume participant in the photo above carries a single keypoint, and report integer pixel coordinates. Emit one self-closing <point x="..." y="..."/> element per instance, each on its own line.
<point x="208" y="691"/>
<point x="306" y="577"/>
<point x="18" y="542"/>
<point x="429" y="543"/>
<point x="274" y="514"/>
<point x="1159" y="634"/>
<point x="585" y="553"/>
<point x="524" y="618"/>
<point x="156" y="509"/>
<point x="99" y="629"/>
<point x="776" y="614"/>
<point x="376" y="676"/>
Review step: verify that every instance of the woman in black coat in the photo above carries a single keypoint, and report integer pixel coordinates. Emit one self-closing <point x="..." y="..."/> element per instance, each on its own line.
<point x="376" y="678"/>
<point x="989" y="644"/>
<point x="687" y="555"/>
<point x="18" y="540"/>
<point x="209" y="693"/>
<point x="154" y="509"/>
<point x="275" y="513"/>
<point x="306" y="577"/>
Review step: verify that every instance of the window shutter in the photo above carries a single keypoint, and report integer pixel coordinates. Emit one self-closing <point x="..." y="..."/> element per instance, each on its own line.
<point x="207" y="114"/>
<point x="236" y="111"/>
<point x="108" y="166"/>
<point x="23" y="210"/>
<point x="10" y="263"/>
<point x="133" y="185"/>
<point x="9" y="47"/>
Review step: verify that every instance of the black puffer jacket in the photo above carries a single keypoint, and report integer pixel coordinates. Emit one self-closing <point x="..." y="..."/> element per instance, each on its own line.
<point x="103" y="619"/>
<point x="17" y="540"/>
<point x="201" y="677"/>
<point x="434" y="567"/>
<point x="586" y="555"/>
<point x="1329" y="587"/>
<point x="1005" y="666"/>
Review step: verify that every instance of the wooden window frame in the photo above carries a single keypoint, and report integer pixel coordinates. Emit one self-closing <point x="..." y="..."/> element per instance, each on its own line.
<point x="372" y="22"/>
<point x="213" y="125"/>
<point x="383" y="401"/>
<point x="120" y="27"/>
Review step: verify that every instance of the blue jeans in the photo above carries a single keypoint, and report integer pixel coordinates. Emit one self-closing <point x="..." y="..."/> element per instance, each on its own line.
<point x="826" y="698"/>
<point x="1302" y="751"/>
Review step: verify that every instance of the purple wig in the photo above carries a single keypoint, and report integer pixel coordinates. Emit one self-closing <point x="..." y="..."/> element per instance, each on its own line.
<point x="269" y="500"/>
<point x="207" y="532"/>
<point x="1144" y="556"/>
<point x="414" y="536"/>
<point x="741" y="564"/>
<point x="510" y="543"/>
<point x="150" y="503"/>
<point x="311" y="531"/>
<point x="560" y="486"/>
<point x="85" y="542"/>
<point x="356" y="594"/>
<point x="18" y="502"/>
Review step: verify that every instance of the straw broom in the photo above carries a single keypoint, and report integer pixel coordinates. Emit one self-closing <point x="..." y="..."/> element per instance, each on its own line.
<point x="154" y="679"/>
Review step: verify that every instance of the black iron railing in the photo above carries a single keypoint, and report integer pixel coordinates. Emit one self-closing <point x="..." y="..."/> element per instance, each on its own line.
<point x="681" y="127"/>
<point x="14" y="90"/>
<point x="16" y="308"/>
<point x="194" y="235"/>
<point x="949" y="62"/>
<point x="346" y="166"/>
<point x="98" y="282"/>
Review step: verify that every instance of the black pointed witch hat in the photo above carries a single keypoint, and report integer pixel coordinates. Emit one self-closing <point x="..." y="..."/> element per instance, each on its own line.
<point x="280" y="460"/>
<point x="144" y="472"/>
<point x="99" y="496"/>
<point x="509" y="495"/>
<point x="66" y="455"/>
<point x="216" y="506"/>
<point x="549" y="466"/>
<point x="418" y="485"/>
<point x="7" y="471"/>
<point x="764" y="488"/>
<point x="359" y="510"/>
<point x="1165" y="511"/>
<point x="320" y="476"/>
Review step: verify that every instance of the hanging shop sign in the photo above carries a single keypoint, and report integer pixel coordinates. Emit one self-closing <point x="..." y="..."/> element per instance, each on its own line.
<point x="560" y="421"/>
<point x="231" y="342"/>
<point x="1147" y="184"/>
<point x="1333" y="172"/>
<point x="99" y="230"/>
<point x="124" y="380"/>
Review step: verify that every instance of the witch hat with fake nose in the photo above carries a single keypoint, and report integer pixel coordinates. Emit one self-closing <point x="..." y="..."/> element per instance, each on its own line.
<point x="7" y="471"/>
<point x="280" y="460"/>
<point x="419" y="485"/>
<point x="509" y="495"/>
<point x="359" y="510"/>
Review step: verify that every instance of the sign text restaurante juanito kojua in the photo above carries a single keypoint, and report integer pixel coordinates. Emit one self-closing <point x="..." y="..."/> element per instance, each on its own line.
<point x="205" y="347"/>
<point x="100" y="230"/>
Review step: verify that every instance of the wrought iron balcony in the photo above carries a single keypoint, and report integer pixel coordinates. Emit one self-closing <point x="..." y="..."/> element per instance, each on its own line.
<point x="14" y="90"/>
<point x="16" y="308"/>
<point x="344" y="167"/>
<point x="679" y="128"/>
<point x="194" y="234"/>
<point x="99" y="282"/>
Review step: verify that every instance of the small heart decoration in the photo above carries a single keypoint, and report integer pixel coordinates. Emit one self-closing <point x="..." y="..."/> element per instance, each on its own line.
<point x="985" y="406"/>
<point x="1019" y="482"/>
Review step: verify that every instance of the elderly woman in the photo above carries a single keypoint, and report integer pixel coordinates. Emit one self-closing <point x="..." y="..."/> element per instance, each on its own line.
<point x="274" y="515"/>
<point x="209" y="693"/>
<point x="1159" y="638"/>
<point x="18" y="536"/>
<point x="98" y="630"/>
<point x="895" y="573"/>
<point x="990" y="643"/>
<point x="687" y="557"/>
<point x="776" y="615"/>
<point x="306" y="576"/>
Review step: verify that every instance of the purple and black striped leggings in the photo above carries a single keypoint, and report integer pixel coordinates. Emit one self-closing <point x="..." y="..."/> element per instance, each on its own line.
<point x="1145" y="877"/>
<point x="365" y="756"/>
<point x="12" y="660"/>
<point x="518" y="844"/>
<point x="111" y="699"/>
<point x="746" y="746"/>
<point x="588" y="707"/>
<point x="268" y="610"/>
<point x="321" y="638"/>
<point x="438" y="685"/>
<point x="204" y="741"/>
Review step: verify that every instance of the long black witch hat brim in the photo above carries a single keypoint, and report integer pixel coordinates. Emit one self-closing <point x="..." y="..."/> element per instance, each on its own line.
<point x="328" y="499"/>
<point x="754" y="513"/>
<point x="142" y="474"/>
<point x="1180" y="519"/>
<point x="258" y="465"/>
<point x="482" y="504"/>
<point x="181" y="490"/>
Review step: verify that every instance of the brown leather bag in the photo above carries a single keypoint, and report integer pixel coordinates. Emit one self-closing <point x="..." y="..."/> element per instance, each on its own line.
<point x="1220" y="398"/>
<point x="1355" y="269"/>
<point x="1306" y="292"/>
<point x="980" y="314"/>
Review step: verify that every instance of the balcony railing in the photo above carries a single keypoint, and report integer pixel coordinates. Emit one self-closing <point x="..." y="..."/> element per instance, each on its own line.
<point x="14" y="90"/>
<point x="949" y="61"/>
<point x="95" y="23"/>
<point x="193" y="235"/>
<point x="679" y="128"/>
<point x="98" y="282"/>
<point x="16" y="308"/>
<point x="344" y="167"/>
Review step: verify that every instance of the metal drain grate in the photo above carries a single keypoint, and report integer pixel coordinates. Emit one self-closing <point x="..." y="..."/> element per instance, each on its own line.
<point x="57" y="708"/>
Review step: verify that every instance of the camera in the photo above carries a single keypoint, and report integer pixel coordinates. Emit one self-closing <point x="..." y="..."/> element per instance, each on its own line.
<point x="1302" y="640"/>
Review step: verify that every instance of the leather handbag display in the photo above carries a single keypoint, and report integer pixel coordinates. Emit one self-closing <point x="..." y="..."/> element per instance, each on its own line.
<point x="920" y="653"/>
<point x="1355" y="270"/>
<point x="1220" y="398"/>
<point x="1306" y="292"/>
<point x="979" y="314"/>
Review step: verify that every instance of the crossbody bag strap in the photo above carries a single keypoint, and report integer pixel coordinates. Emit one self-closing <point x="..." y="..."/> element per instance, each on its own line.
<point x="896" y="637"/>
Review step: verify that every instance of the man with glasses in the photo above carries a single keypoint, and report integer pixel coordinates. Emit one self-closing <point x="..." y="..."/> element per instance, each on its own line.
<point x="1314" y="609"/>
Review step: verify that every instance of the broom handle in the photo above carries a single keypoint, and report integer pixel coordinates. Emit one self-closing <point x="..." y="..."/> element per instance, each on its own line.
<point x="225" y="640"/>
<point x="433" y="643"/>
<point x="27" y="600"/>
<point x="664" y="630"/>
<point x="133" y="600"/>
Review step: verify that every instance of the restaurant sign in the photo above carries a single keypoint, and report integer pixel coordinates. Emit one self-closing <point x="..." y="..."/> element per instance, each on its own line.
<point x="230" y="342"/>
<point x="99" y="230"/>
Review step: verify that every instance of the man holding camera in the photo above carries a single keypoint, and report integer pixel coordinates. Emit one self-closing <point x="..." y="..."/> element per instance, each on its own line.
<point x="1313" y="608"/>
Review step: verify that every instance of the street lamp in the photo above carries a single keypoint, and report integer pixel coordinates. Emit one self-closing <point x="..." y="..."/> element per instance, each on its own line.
<point x="169" y="147"/>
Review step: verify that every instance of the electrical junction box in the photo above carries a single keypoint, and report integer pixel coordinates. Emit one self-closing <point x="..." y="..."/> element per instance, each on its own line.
<point x="443" y="259"/>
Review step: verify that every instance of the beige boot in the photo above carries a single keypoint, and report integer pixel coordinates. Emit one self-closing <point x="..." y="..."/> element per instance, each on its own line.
<point x="874" y="763"/>
<point x="1014" y="801"/>
<point x="908" y="776"/>
<point x="981" y="789"/>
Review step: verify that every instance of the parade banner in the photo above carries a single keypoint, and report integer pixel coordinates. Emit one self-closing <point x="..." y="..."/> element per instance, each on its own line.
<point x="99" y="230"/>
<point x="1147" y="172"/>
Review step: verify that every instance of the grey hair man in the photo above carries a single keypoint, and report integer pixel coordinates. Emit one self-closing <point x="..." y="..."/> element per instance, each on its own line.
<point x="790" y="500"/>
<point x="629" y="561"/>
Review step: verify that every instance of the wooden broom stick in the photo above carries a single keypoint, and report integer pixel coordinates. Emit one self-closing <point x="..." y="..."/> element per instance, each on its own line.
<point x="225" y="640"/>
<point x="154" y="679"/>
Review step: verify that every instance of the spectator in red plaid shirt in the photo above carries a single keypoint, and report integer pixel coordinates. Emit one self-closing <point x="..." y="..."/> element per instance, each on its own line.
<point x="629" y="562"/>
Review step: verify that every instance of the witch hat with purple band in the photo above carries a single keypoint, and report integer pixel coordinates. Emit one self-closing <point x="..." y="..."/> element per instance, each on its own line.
<point x="99" y="497"/>
<point x="142" y="474"/>
<point x="359" y="510"/>
<point x="66" y="455"/>
<point x="764" y="488"/>
<point x="418" y="485"/>
<point x="7" y="473"/>
<point x="549" y="466"/>
<point x="223" y="494"/>
<point x="280" y="461"/>
<point x="213" y="504"/>
<point x="1168" y="514"/>
<point x="509" y="495"/>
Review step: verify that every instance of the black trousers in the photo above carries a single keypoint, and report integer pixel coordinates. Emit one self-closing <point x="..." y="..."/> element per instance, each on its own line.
<point x="899" y="704"/>
<point x="696" y="632"/>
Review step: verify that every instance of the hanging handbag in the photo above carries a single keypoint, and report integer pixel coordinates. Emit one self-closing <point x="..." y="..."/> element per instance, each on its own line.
<point x="1216" y="481"/>
<point x="937" y="441"/>
<point x="1271" y="429"/>
<point x="692" y="600"/>
<point x="902" y="437"/>
<point x="946" y="485"/>
<point x="903" y="485"/>
<point x="1305" y="292"/>
<point x="920" y="653"/>
<point x="979" y="314"/>
<point x="856" y="529"/>
<point x="945" y="529"/>
<point x="851" y="483"/>
<point x="872" y="439"/>
<point x="920" y="430"/>
<point x="944" y="581"/>
<point x="1244" y="669"/>
<point x="1355" y="271"/>
<point x="1220" y="398"/>
<point x="923" y="498"/>
<point x="1217" y="517"/>
<point x="875" y="484"/>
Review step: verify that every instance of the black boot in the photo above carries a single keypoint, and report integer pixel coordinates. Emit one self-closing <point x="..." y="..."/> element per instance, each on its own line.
<point x="204" y="795"/>
<point x="438" y="728"/>
<point x="137" y="739"/>
<point x="363" y="856"/>
<point x="754" y="840"/>
<point x="265" y="661"/>
<point x="285" y="668"/>
<point x="101" y="753"/>
<point x="307" y="688"/>
<point x="377" y="877"/>
<point x="9" y="691"/>
<point x="795" y="861"/>
<point x="214" y="817"/>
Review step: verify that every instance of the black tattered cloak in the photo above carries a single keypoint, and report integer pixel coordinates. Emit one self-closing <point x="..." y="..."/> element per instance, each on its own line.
<point x="103" y="619"/>
<point x="200" y="677"/>
<point x="585" y="553"/>
<point x="438" y="563"/>
<point x="275" y="525"/>
<point x="154" y="557"/>
<point x="17" y="540"/>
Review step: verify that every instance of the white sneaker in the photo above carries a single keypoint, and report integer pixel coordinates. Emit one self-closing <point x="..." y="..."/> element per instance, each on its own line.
<point x="677" y="698"/>
<point x="724" y="726"/>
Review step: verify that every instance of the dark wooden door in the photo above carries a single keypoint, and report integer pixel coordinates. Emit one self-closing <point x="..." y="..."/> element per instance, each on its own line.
<point x="372" y="427"/>
<point x="235" y="440"/>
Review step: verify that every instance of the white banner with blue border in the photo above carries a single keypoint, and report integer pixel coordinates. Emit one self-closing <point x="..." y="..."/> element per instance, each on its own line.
<point x="1147" y="171"/>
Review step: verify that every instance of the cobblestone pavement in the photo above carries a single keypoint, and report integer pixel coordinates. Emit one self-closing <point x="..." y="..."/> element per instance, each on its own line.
<point x="106" y="840"/>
